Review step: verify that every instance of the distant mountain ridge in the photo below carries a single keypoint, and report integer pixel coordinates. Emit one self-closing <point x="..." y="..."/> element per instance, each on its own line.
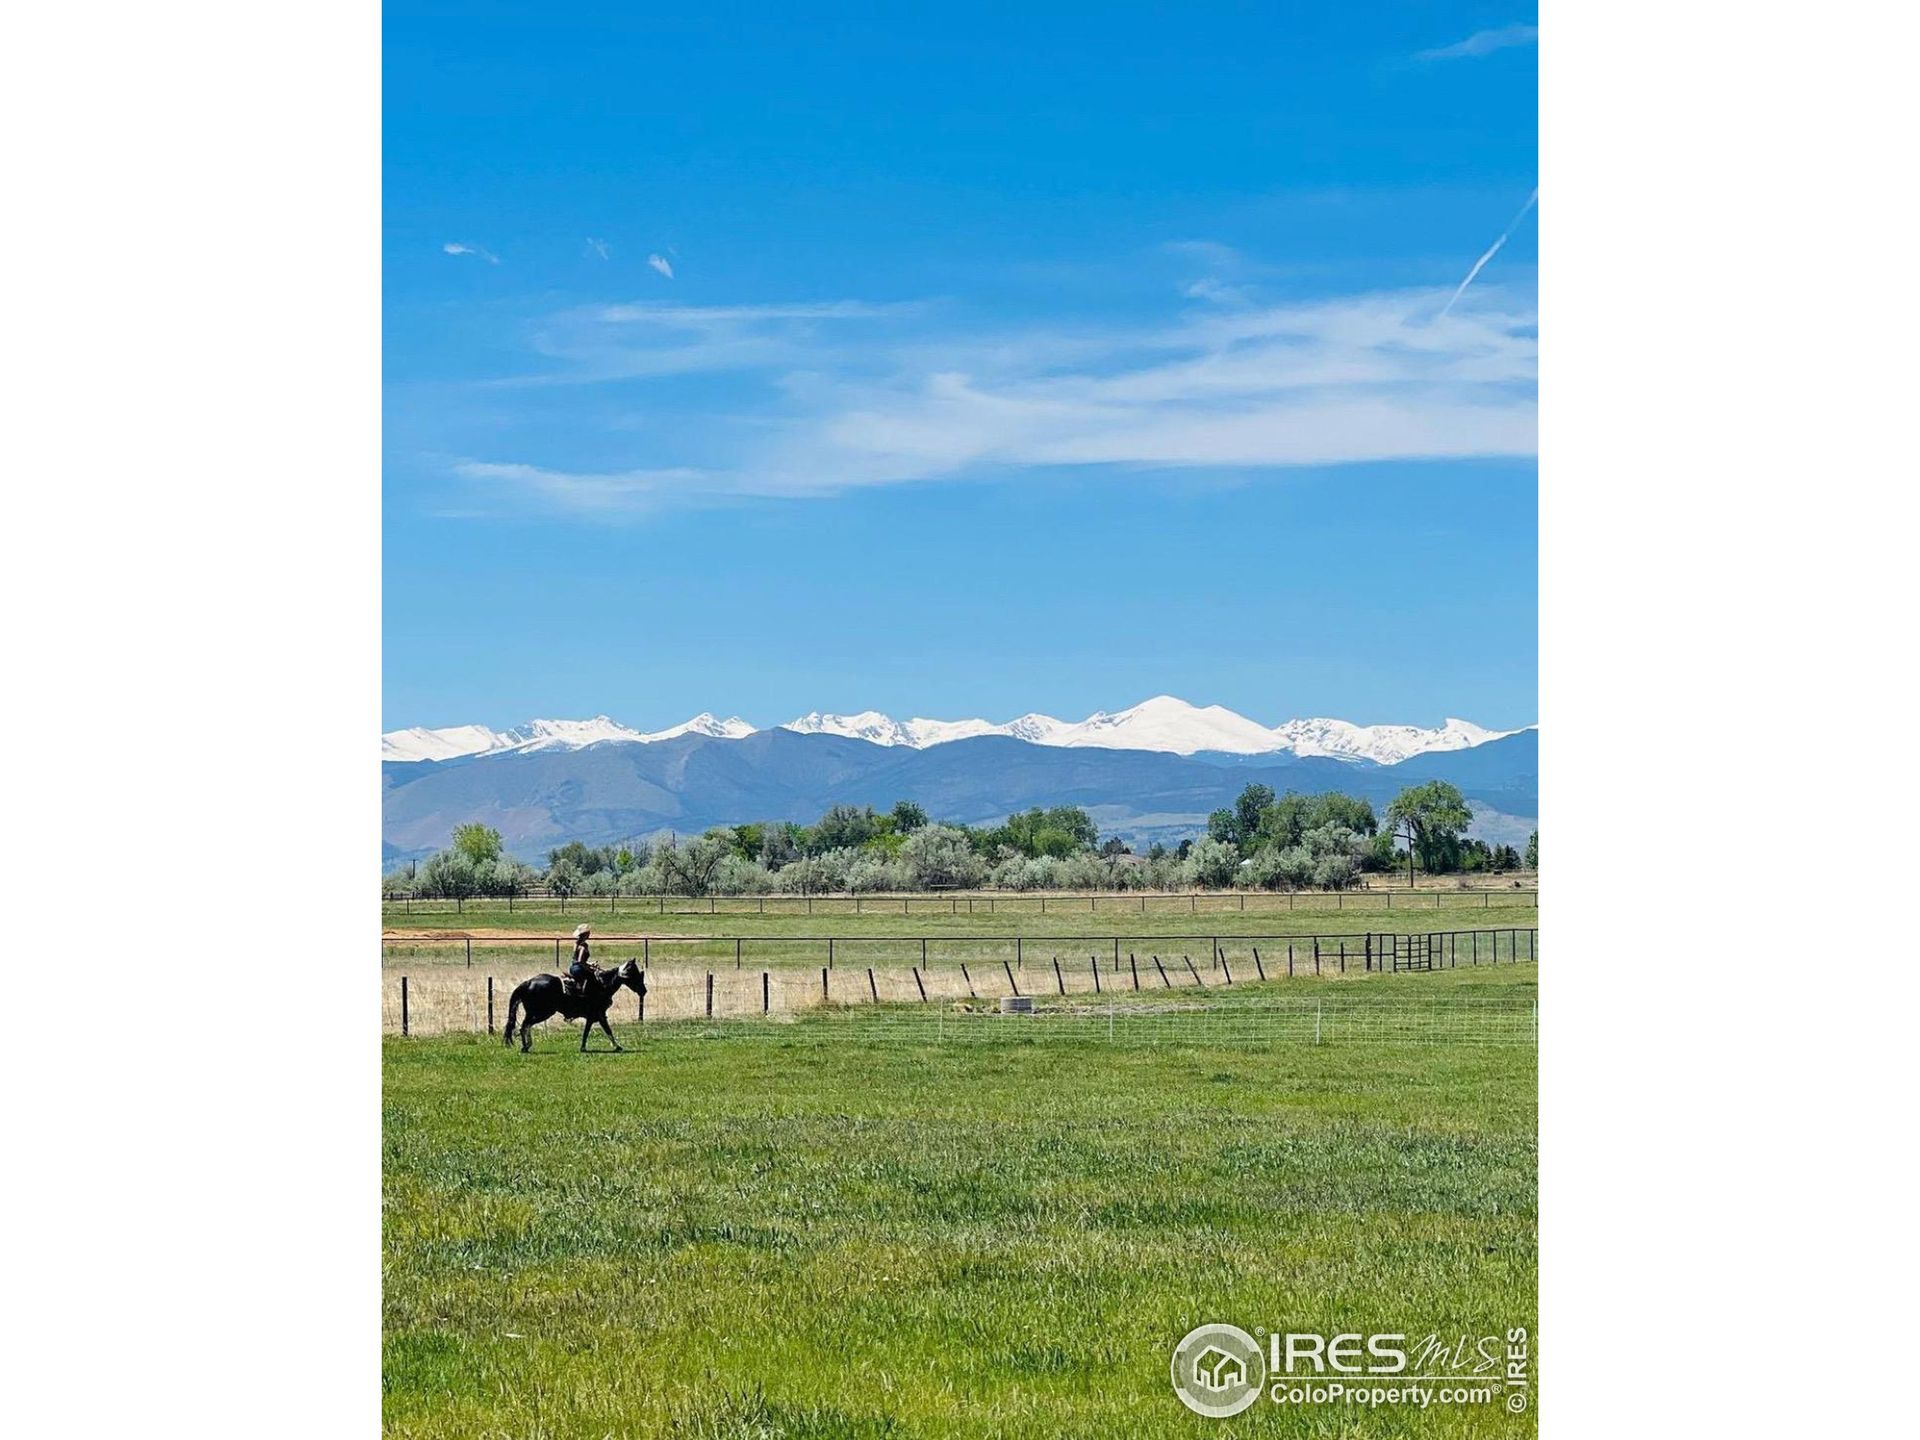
<point x="1164" y="724"/>
<point x="545" y="790"/>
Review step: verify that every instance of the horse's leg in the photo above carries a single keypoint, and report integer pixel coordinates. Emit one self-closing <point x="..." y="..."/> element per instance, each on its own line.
<point x="586" y="1029"/>
<point x="609" y="1029"/>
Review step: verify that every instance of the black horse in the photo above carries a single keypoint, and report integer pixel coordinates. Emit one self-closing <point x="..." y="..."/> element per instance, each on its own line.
<point x="545" y="996"/>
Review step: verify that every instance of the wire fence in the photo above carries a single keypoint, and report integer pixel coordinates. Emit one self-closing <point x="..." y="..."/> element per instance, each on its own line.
<point x="1255" y="954"/>
<point x="1327" y="1020"/>
<point x="446" y="999"/>
<point x="1485" y="896"/>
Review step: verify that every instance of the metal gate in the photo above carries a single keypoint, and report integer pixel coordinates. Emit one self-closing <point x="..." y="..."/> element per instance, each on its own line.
<point x="1410" y="952"/>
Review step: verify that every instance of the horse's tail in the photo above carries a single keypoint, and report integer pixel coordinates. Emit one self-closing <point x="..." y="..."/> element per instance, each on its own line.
<point x="513" y="1011"/>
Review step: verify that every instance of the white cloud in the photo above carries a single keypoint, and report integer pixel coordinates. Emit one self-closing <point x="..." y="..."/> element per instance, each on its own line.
<point x="454" y="247"/>
<point x="599" y="248"/>
<point x="627" y="490"/>
<point x="857" y="394"/>
<point x="660" y="263"/>
<point x="1484" y="42"/>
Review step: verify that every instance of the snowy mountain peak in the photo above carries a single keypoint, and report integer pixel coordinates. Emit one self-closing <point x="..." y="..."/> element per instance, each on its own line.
<point x="732" y="728"/>
<point x="1169" y="724"/>
<point x="868" y="725"/>
<point x="1164" y="723"/>
<point x="1381" y="744"/>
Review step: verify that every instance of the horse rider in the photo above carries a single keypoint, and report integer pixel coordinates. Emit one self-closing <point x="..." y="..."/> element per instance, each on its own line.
<point x="581" y="970"/>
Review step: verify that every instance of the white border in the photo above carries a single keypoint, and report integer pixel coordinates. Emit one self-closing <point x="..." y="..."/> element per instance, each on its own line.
<point x="192" y="586"/>
<point x="193" y="591"/>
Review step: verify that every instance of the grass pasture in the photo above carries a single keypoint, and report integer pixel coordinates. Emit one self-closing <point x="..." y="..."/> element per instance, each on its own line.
<point x="860" y="1224"/>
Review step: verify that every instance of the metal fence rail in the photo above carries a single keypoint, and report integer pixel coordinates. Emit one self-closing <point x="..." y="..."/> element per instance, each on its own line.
<point x="453" y="998"/>
<point x="1261" y="956"/>
<point x="979" y="902"/>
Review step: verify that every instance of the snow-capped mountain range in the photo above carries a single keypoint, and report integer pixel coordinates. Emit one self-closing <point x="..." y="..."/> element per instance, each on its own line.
<point x="1163" y="724"/>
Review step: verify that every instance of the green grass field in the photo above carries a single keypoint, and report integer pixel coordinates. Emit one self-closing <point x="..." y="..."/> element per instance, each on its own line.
<point x="876" y="1229"/>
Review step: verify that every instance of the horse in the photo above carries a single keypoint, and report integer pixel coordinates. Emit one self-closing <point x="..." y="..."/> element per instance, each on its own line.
<point x="545" y="995"/>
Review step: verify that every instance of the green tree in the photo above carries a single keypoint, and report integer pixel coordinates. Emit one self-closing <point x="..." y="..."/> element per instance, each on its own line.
<point x="1246" y="812"/>
<point x="907" y="817"/>
<point x="844" y="827"/>
<point x="1533" y="851"/>
<point x="563" y="877"/>
<point x="1215" y="863"/>
<point x="480" y="844"/>
<point x="689" y="867"/>
<point x="1430" y="819"/>
<point x="942" y="857"/>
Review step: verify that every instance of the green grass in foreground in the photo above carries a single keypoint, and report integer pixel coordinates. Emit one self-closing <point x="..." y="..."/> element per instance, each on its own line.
<point x="772" y="1236"/>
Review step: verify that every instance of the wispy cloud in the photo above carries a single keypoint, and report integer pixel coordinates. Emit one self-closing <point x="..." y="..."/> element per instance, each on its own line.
<point x="1491" y="251"/>
<point x="1484" y="42"/>
<point x="455" y="247"/>
<point x="599" y="248"/>
<point x="852" y="394"/>
<point x="662" y="264"/>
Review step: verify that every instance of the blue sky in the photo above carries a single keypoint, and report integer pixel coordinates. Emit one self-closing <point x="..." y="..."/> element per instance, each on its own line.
<point x="767" y="359"/>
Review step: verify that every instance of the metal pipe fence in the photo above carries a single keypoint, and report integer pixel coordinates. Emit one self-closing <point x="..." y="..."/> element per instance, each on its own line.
<point x="439" y="999"/>
<point x="1256" y="954"/>
<point x="975" y="902"/>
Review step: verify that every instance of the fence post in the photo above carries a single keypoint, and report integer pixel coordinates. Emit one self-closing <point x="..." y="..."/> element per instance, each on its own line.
<point x="736" y="952"/>
<point x="829" y="942"/>
<point x="640" y="1003"/>
<point x="1164" y="981"/>
<point x="766" y="993"/>
<point x="823" y="985"/>
<point x="1258" y="968"/>
<point x="875" y="989"/>
<point x="1289" y="959"/>
<point x="1135" y="968"/>
<point x="1094" y="961"/>
<point x="923" y="952"/>
<point x="1316" y="954"/>
<point x="968" y="978"/>
<point x="919" y="985"/>
<point x="1193" y="972"/>
<point x="489" y="1004"/>
<point x="1343" y="956"/>
<point x="1012" y="983"/>
<point x="1059" y="979"/>
<point x="403" y="1005"/>
<point x="1226" y="969"/>
<point x="469" y="953"/>
<point x="1020" y="953"/>
<point x="709" y="994"/>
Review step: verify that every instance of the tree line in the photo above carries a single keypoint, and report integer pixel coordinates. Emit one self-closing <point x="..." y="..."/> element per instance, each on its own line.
<point x="1262" y="841"/>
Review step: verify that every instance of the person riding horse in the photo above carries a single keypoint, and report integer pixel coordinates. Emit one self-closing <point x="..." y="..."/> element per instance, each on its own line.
<point x="581" y="970"/>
